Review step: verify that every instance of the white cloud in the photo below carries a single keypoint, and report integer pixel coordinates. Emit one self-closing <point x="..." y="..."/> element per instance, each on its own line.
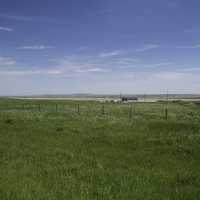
<point x="91" y="70"/>
<point x="19" y="72"/>
<point x="189" y="47"/>
<point x="157" y="65"/>
<point x="54" y="72"/>
<point x="147" y="47"/>
<point x="78" y="64"/>
<point x="30" y="72"/>
<point x="163" y="64"/>
<point x="192" y="69"/>
<point x="36" y="47"/>
<point x="35" y="19"/>
<point x="170" y="75"/>
<point x="7" y="61"/>
<point x="6" y="29"/>
<point x="110" y="54"/>
<point x="85" y="64"/>
<point x="127" y="61"/>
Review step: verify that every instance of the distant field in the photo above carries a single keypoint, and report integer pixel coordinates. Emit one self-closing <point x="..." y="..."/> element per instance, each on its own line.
<point x="53" y="150"/>
<point x="107" y="98"/>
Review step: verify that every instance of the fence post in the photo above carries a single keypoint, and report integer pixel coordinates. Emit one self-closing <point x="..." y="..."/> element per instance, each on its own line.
<point x="103" y="110"/>
<point x="56" y="107"/>
<point x="78" y="109"/>
<point x="23" y="108"/>
<point x="39" y="108"/>
<point x="130" y="112"/>
<point x="166" y="113"/>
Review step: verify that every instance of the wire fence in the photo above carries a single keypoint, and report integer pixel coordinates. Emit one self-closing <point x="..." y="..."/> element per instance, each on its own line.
<point x="131" y="111"/>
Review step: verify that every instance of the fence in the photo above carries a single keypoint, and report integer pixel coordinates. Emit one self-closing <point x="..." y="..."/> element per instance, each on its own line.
<point x="131" y="111"/>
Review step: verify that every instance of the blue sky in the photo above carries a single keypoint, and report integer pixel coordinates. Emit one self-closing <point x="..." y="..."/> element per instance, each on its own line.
<point x="93" y="46"/>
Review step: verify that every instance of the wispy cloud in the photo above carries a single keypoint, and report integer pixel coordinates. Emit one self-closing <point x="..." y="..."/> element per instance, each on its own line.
<point x="80" y="65"/>
<point x="33" y="19"/>
<point x="16" y="17"/>
<point x="170" y="75"/>
<point x="6" y="29"/>
<point x="192" y="69"/>
<point x="29" y="72"/>
<point x="127" y="61"/>
<point x="110" y="54"/>
<point x="147" y="47"/>
<point x="83" y="48"/>
<point x="106" y="63"/>
<point x="83" y="64"/>
<point x="157" y="65"/>
<point x="7" y="61"/>
<point x="163" y="64"/>
<point x="91" y="70"/>
<point x="36" y="47"/>
<point x="196" y="46"/>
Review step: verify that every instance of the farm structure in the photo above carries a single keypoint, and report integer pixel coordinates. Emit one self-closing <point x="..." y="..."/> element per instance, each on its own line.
<point x="129" y="98"/>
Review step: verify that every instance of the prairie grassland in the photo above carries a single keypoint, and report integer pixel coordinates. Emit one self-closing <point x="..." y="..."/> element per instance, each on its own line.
<point x="58" y="150"/>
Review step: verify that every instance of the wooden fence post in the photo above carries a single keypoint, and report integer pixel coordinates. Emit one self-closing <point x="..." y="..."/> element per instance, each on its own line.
<point x="39" y="107"/>
<point x="78" y="109"/>
<point x="56" y="107"/>
<point x="130" y="112"/>
<point x="103" y="110"/>
<point x="166" y="113"/>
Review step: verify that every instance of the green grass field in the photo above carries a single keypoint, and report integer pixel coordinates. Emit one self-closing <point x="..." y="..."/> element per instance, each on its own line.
<point x="54" y="150"/>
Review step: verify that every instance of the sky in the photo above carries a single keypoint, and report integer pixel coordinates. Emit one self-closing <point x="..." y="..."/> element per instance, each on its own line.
<point x="99" y="46"/>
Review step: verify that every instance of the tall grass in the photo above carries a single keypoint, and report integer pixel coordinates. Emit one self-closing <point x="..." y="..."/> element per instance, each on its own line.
<point x="63" y="154"/>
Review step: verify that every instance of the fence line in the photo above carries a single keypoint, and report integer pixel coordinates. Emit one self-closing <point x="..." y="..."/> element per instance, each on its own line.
<point x="121" y="110"/>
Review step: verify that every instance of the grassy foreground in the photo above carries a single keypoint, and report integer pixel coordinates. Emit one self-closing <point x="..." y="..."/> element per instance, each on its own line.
<point x="50" y="152"/>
